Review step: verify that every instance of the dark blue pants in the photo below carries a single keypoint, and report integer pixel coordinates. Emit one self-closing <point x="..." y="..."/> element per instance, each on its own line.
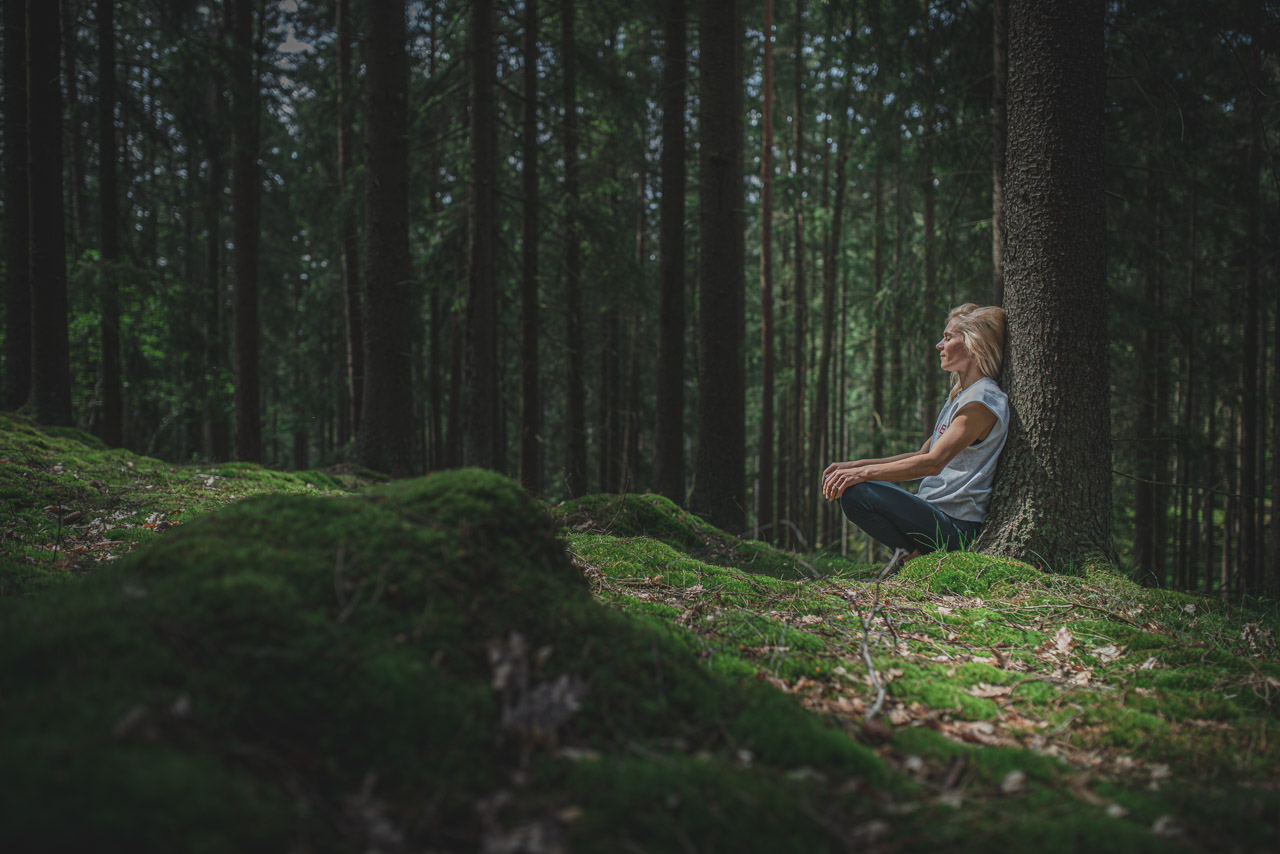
<point x="900" y="520"/>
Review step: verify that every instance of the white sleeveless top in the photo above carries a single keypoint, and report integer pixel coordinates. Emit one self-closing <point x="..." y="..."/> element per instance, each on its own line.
<point x="962" y="490"/>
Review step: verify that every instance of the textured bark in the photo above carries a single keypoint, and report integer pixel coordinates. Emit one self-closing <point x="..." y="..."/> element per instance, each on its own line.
<point x="50" y="348"/>
<point x="530" y="467"/>
<point x="575" y="474"/>
<point x="385" y="441"/>
<point x="668" y="439"/>
<point x="765" y="516"/>
<point x="17" y="283"/>
<point x="247" y="433"/>
<point x="112" y="428"/>
<point x="999" y="143"/>
<point x="719" y="480"/>
<point x="1053" y="493"/>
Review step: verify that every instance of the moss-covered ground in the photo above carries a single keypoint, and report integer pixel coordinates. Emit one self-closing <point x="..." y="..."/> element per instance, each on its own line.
<point x="445" y="664"/>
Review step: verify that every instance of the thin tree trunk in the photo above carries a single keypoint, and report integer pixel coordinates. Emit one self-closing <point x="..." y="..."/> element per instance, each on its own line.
<point x="668" y="438"/>
<point x="17" y="231"/>
<point x="999" y="142"/>
<point x="529" y="465"/>
<point x="929" y="397"/>
<point x="719" y="481"/>
<point x="79" y="220"/>
<point x="765" y="517"/>
<point x="112" y="429"/>
<point x="798" y="505"/>
<point x="878" y="300"/>
<point x="50" y="399"/>
<point x="575" y="429"/>
<point x="247" y="441"/>
<point x="350" y="252"/>
<point x="1249" y="559"/>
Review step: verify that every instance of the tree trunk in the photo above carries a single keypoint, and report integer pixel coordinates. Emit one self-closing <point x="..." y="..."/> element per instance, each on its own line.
<point x="79" y="220"/>
<point x="765" y="516"/>
<point x="17" y="223"/>
<point x="112" y="429"/>
<point x="878" y="414"/>
<point x="1249" y="560"/>
<point x="1053" y="494"/>
<point x="50" y="352"/>
<point x="350" y="252"/>
<point x="575" y="474"/>
<point x="798" y="504"/>
<point x="385" y="441"/>
<point x="820" y="450"/>
<point x="999" y="143"/>
<point x="929" y="394"/>
<point x="530" y="403"/>
<point x="668" y="437"/>
<point x="719" y="480"/>
<point x="247" y="437"/>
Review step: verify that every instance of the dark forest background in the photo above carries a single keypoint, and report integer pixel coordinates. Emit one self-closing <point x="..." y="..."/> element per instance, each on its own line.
<point x="421" y="235"/>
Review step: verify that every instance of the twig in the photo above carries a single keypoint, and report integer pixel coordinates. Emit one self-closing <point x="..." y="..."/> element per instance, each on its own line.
<point x="866" y="637"/>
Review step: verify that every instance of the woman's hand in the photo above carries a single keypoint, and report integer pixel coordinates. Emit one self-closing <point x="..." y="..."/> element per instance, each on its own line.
<point x="835" y="467"/>
<point x="836" y="480"/>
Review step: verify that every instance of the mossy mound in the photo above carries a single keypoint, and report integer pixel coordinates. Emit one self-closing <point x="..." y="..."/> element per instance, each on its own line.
<point x="654" y="517"/>
<point x="971" y="574"/>
<point x="420" y="667"/>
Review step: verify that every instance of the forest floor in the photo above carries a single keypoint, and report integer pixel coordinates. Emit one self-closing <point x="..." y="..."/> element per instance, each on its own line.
<point x="254" y="660"/>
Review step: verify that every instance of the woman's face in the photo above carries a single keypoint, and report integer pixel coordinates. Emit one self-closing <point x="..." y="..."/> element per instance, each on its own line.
<point x="955" y="356"/>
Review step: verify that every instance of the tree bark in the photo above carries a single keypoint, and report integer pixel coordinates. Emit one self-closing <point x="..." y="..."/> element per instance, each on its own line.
<point x="529" y="465"/>
<point x="17" y="231"/>
<point x="112" y="429"/>
<point x="385" y="441"/>
<point x="719" y="480"/>
<point x="1053" y="493"/>
<point x="50" y="399"/>
<point x="668" y="440"/>
<point x="766" y="518"/>
<point x="575" y="474"/>
<point x="247" y="433"/>
<point x="79" y="219"/>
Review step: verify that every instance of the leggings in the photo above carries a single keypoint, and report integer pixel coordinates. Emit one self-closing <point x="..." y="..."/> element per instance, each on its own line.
<point x="900" y="520"/>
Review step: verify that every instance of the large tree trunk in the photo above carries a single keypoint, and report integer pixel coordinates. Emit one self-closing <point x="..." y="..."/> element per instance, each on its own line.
<point x="247" y="433"/>
<point x="385" y="441"/>
<point x="1053" y="494"/>
<point x="350" y="254"/>
<point x="17" y="232"/>
<point x="112" y="429"/>
<point x="668" y="437"/>
<point x="719" y="479"/>
<point x="575" y="474"/>
<point x="765" y="516"/>
<point x="530" y="403"/>
<point x="999" y="143"/>
<point x="50" y="353"/>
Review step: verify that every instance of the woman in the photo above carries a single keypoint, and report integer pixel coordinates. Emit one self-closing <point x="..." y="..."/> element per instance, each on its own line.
<point x="957" y="461"/>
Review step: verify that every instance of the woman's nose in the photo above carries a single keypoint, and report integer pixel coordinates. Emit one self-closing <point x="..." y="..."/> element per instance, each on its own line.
<point x="938" y="346"/>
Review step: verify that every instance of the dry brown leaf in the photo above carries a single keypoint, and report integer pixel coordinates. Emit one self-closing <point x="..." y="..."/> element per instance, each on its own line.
<point x="1107" y="654"/>
<point x="987" y="691"/>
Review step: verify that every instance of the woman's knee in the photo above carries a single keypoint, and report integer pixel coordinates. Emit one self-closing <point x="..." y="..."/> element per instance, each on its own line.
<point x="860" y="498"/>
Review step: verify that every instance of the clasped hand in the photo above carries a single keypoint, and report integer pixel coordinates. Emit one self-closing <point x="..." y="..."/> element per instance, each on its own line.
<point x="840" y="476"/>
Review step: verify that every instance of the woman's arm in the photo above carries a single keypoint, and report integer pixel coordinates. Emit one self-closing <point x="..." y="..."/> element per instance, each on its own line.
<point x="970" y="424"/>
<point x="860" y="463"/>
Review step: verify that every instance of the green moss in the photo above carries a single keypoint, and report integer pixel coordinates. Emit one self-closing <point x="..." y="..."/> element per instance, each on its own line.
<point x="971" y="574"/>
<point x="255" y="667"/>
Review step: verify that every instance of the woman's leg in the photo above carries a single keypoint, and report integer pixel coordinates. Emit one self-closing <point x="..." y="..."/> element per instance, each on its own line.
<point x="900" y="520"/>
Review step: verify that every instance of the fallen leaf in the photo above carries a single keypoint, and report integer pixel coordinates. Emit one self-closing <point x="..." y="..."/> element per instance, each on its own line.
<point x="810" y="619"/>
<point x="986" y="691"/>
<point x="1149" y="664"/>
<point x="1107" y="654"/>
<point x="1062" y="641"/>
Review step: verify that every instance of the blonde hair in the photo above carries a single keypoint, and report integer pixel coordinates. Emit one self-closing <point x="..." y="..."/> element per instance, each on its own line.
<point x="982" y="328"/>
